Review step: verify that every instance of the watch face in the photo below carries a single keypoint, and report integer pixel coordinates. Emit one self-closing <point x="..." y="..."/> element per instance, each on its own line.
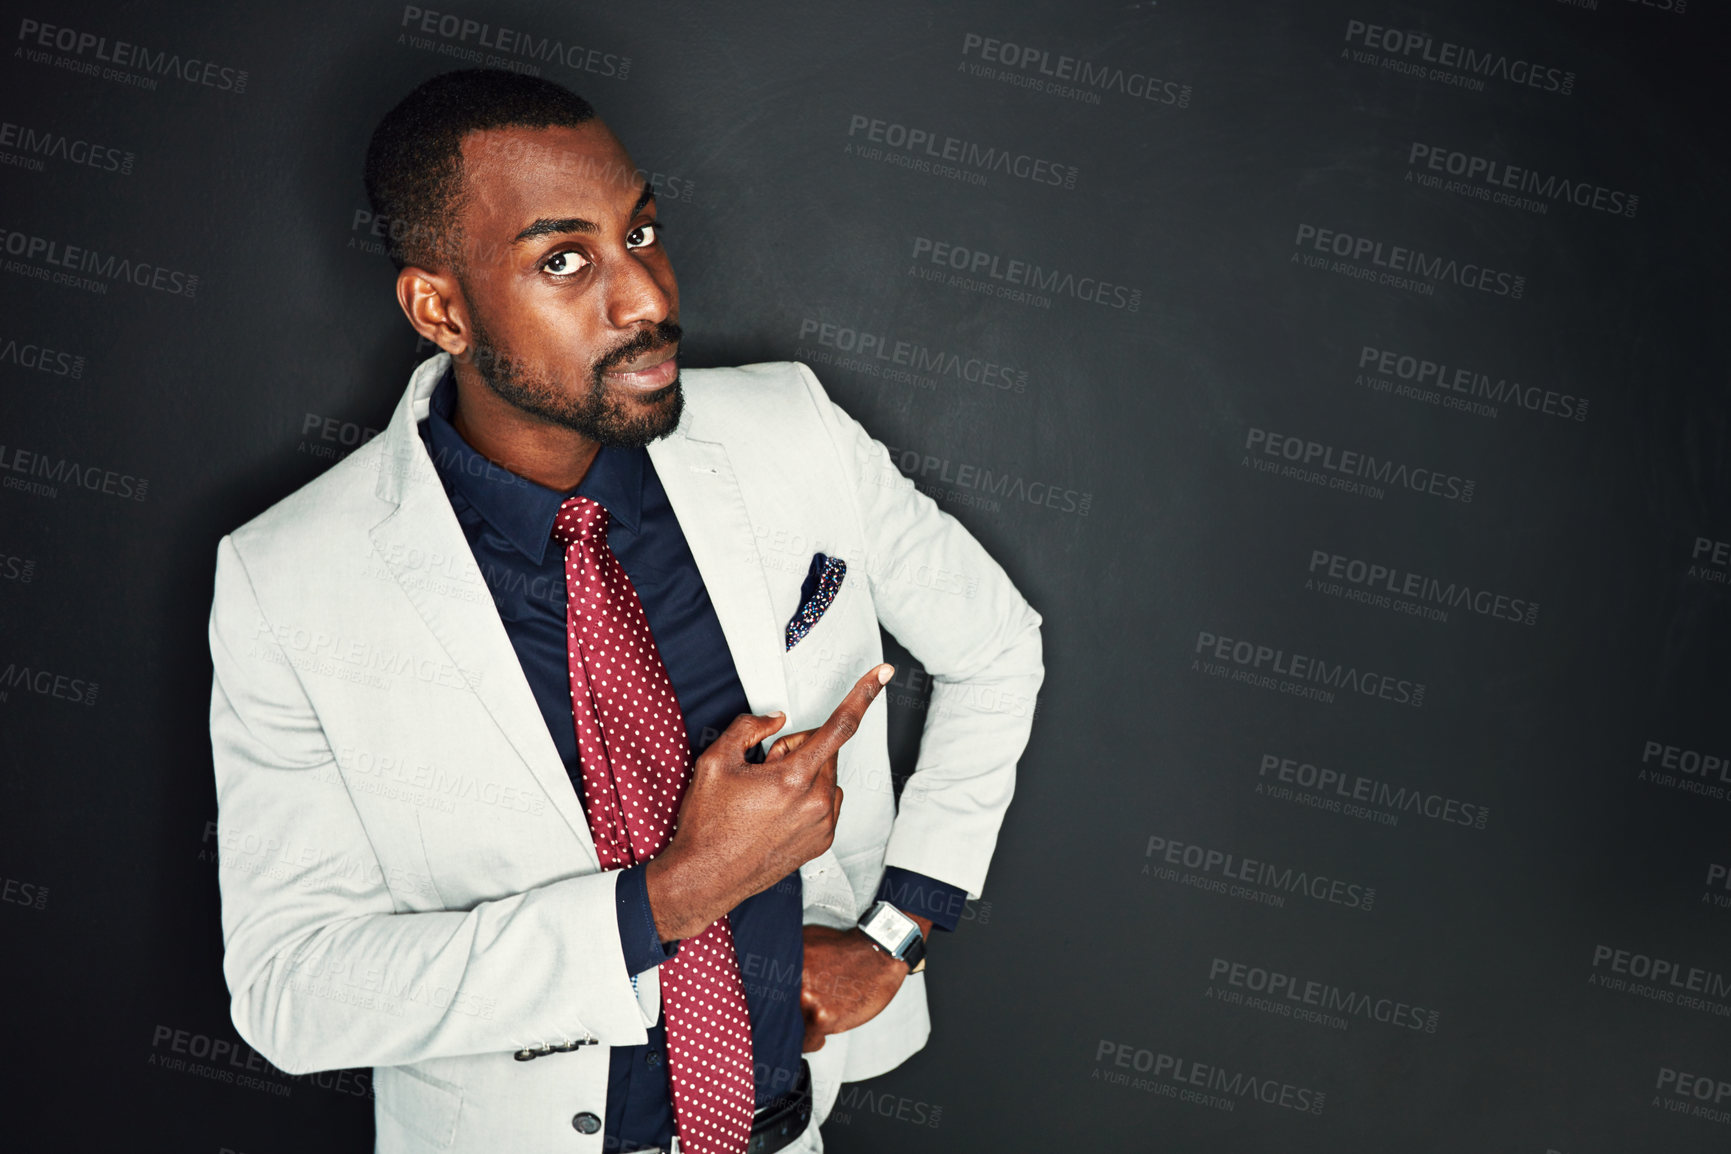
<point x="890" y="927"/>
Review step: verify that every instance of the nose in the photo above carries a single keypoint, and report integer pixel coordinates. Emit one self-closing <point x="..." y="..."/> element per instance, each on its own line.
<point x="638" y="293"/>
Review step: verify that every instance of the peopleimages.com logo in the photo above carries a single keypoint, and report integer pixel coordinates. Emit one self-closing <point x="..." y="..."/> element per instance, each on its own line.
<point x="1349" y="470"/>
<point x="1326" y="1003"/>
<point x="999" y="275"/>
<point x="1297" y="674"/>
<point x="1219" y="871"/>
<point x="1511" y="185"/>
<point x="33" y="145"/>
<point x="1057" y="74"/>
<point x="478" y="42"/>
<point x="930" y="145"/>
<point x="1420" y="55"/>
<point x="1460" y="388"/>
<point x="1198" y="1083"/>
<point x="1396" y="265"/>
<point x="94" y="54"/>
<point x="44" y="257"/>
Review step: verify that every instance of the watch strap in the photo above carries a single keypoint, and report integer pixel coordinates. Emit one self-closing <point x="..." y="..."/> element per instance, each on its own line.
<point x="915" y="954"/>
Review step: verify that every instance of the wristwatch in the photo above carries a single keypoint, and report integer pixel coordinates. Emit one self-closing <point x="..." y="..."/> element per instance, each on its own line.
<point x="895" y="934"/>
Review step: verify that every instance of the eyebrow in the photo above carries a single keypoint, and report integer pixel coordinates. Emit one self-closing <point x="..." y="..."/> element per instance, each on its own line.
<point x="550" y="226"/>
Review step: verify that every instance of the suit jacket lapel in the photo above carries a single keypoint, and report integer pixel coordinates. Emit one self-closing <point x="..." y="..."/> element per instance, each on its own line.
<point x="469" y="629"/>
<point x="705" y="494"/>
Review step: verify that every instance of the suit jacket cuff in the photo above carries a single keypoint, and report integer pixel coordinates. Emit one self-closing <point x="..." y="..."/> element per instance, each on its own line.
<point x="915" y="893"/>
<point x="638" y="940"/>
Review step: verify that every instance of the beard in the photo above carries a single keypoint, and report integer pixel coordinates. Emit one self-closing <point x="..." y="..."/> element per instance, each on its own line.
<point x="589" y="410"/>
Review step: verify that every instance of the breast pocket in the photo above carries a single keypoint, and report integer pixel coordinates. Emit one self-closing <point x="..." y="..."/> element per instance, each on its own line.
<point x="838" y="648"/>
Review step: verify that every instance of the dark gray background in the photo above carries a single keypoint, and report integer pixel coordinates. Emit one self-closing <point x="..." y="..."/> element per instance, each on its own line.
<point x="110" y="921"/>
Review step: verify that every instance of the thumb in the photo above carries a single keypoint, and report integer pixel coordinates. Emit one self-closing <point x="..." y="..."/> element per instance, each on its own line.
<point x="748" y="729"/>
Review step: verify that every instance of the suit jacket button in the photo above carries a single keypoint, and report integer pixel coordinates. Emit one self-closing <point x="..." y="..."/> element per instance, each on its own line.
<point x="586" y="1123"/>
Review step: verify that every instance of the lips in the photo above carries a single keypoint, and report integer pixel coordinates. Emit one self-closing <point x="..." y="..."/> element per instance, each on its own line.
<point x="653" y="371"/>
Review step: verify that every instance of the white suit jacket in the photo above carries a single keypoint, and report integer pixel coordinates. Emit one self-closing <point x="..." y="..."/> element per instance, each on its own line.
<point x="408" y="880"/>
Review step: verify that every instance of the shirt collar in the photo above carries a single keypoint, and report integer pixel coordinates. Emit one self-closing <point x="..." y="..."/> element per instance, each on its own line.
<point x="522" y="511"/>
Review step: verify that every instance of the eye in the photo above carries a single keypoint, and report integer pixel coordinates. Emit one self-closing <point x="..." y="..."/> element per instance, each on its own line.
<point x="563" y="264"/>
<point x="643" y="235"/>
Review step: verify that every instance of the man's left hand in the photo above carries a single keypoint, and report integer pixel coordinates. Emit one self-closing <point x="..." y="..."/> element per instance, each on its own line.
<point x="847" y="980"/>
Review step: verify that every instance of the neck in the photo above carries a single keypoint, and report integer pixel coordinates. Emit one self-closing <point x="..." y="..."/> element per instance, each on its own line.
<point x="546" y="453"/>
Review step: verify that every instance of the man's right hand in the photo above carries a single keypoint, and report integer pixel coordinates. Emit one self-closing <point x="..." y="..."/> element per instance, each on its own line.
<point x="743" y="827"/>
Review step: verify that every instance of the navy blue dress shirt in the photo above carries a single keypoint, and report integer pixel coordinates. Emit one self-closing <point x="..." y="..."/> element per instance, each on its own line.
<point x="508" y="521"/>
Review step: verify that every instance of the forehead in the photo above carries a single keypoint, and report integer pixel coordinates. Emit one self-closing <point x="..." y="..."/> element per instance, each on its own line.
<point x="512" y="176"/>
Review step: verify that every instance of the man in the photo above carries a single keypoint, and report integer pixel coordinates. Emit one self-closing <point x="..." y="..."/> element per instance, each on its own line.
<point x="460" y="680"/>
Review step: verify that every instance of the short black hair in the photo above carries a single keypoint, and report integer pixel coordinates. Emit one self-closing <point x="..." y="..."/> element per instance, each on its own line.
<point x="414" y="167"/>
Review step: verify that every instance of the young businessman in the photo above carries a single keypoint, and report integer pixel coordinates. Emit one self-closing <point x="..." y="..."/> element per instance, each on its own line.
<point x="494" y="698"/>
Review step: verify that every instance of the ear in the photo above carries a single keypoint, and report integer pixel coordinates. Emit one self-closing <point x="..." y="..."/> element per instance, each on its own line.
<point x="434" y="304"/>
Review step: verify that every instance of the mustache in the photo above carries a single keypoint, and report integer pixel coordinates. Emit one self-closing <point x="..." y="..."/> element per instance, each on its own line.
<point x="648" y="340"/>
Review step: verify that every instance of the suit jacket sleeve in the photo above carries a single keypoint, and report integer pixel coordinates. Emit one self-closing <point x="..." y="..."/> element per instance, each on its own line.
<point x="977" y="638"/>
<point x="325" y="965"/>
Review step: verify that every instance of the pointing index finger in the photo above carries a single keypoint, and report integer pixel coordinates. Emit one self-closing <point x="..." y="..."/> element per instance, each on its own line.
<point x="826" y="741"/>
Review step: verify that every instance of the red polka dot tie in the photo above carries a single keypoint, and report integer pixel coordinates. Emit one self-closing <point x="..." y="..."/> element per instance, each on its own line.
<point x="635" y="761"/>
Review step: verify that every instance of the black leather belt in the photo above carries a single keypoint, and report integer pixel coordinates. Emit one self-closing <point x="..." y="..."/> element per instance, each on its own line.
<point x="784" y="1118"/>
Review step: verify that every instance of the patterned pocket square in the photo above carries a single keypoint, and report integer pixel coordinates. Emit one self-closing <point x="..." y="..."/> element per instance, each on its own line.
<point x="822" y="583"/>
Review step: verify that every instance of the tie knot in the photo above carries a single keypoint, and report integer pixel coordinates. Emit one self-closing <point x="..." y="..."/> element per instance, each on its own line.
<point x="580" y="519"/>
